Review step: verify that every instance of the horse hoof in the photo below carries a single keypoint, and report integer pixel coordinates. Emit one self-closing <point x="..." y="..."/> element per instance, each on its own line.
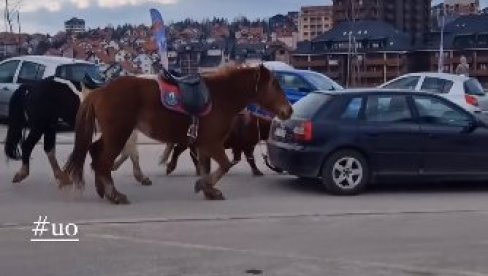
<point x="118" y="199"/>
<point x="100" y="191"/>
<point x="63" y="180"/>
<point x="214" y="195"/>
<point x="170" y="169"/>
<point x="199" y="185"/>
<point x="257" y="173"/>
<point x="146" y="182"/>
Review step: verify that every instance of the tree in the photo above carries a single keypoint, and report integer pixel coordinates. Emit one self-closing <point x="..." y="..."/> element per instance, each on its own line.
<point x="11" y="11"/>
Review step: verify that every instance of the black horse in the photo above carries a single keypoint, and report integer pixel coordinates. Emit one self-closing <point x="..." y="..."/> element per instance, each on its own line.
<point x="39" y="106"/>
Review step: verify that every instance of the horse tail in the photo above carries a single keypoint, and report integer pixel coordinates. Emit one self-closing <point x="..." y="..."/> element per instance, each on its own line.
<point x="16" y="123"/>
<point x="84" y="131"/>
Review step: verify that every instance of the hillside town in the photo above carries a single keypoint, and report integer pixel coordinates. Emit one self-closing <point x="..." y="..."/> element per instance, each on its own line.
<point x="355" y="43"/>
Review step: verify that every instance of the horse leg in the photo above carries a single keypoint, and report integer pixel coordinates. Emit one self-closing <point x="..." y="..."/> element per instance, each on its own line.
<point x="178" y="149"/>
<point x="207" y="183"/>
<point x="103" y="155"/>
<point x="50" y="150"/>
<point x="237" y="153"/>
<point x="136" y="168"/>
<point x="204" y="163"/>
<point x="130" y="149"/>
<point x="194" y="158"/>
<point x="167" y="151"/>
<point x="27" y="147"/>
<point x="249" y="153"/>
<point x="122" y="158"/>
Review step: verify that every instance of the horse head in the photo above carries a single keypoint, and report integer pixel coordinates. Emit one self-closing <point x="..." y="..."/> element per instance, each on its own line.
<point x="270" y="95"/>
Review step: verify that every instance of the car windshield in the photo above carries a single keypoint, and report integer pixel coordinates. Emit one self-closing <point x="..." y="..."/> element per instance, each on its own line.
<point x="320" y="81"/>
<point x="473" y="87"/>
<point x="309" y="105"/>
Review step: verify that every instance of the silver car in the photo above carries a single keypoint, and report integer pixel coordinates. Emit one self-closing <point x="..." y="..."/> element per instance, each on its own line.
<point x="18" y="70"/>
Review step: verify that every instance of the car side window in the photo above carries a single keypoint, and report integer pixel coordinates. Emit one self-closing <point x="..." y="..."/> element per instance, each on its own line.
<point x="351" y="112"/>
<point x="404" y="83"/>
<point x="388" y="108"/>
<point x="7" y="71"/>
<point x="433" y="111"/>
<point x="437" y="85"/>
<point x="294" y="82"/>
<point x="30" y="71"/>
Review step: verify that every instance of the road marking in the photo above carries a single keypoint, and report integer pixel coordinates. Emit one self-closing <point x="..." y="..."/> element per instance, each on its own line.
<point x="332" y="261"/>
<point x="251" y="217"/>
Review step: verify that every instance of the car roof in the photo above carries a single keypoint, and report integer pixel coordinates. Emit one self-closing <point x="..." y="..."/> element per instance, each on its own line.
<point x="49" y="60"/>
<point x="447" y="76"/>
<point x="372" y="91"/>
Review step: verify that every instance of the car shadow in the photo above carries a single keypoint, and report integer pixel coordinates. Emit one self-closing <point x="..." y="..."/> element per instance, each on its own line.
<point x="300" y="185"/>
<point x="422" y="187"/>
<point x="312" y="186"/>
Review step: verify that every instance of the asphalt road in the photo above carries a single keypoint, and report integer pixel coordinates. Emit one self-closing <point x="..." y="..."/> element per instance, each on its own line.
<point x="274" y="225"/>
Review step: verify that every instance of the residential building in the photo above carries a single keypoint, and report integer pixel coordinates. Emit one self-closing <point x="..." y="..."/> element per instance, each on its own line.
<point x="75" y="25"/>
<point x="278" y="51"/>
<point x="461" y="7"/>
<point x="412" y="16"/>
<point x="465" y="36"/>
<point x="378" y="53"/>
<point x="314" y="21"/>
<point x="450" y="10"/>
<point x="250" y="53"/>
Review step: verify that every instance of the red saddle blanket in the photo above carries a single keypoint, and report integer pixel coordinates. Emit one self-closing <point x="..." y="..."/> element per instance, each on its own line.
<point x="173" y="98"/>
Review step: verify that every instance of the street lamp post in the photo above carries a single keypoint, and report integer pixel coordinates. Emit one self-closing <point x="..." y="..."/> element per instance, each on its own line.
<point x="440" y="67"/>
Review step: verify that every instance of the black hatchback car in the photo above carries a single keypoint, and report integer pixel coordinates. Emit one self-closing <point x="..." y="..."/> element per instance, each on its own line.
<point x="351" y="138"/>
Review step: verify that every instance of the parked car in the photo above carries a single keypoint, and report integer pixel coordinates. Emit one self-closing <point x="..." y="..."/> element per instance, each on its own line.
<point x="18" y="70"/>
<point x="349" y="139"/>
<point x="298" y="83"/>
<point x="464" y="91"/>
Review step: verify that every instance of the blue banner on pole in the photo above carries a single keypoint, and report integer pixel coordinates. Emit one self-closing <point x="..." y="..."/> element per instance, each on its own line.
<point x="159" y="35"/>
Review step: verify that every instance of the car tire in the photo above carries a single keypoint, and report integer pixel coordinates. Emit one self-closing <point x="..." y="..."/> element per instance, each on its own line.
<point x="345" y="172"/>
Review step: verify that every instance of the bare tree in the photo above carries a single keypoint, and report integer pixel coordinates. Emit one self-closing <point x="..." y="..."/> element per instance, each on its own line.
<point x="11" y="11"/>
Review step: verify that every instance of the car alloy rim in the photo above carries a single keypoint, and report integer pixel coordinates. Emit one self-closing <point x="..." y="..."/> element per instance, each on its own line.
<point x="347" y="173"/>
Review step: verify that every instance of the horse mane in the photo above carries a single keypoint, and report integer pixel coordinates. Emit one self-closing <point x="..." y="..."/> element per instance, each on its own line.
<point x="227" y="71"/>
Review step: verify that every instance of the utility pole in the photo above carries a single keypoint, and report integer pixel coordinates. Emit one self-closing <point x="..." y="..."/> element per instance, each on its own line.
<point x="440" y="66"/>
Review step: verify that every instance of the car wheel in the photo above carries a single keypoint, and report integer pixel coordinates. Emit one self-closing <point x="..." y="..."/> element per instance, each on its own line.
<point x="345" y="172"/>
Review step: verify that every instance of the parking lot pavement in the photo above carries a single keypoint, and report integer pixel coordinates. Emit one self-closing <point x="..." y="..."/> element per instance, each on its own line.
<point x="275" y="225"/>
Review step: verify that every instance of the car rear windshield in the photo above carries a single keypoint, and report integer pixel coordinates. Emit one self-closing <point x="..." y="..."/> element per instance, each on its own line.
<point x="473" y="87"/>
<point x="309" y="105"/>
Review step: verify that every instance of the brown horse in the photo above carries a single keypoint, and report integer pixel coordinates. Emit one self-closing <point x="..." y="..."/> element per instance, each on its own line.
<point x="130" y="102"/>
<point x="247" y="131"/>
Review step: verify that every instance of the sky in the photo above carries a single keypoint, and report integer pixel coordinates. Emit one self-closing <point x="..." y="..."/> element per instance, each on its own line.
<point x="48" y="16"/>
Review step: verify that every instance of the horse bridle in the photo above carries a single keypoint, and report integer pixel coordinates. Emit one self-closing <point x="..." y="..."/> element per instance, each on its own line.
<point x="257" y="81"/>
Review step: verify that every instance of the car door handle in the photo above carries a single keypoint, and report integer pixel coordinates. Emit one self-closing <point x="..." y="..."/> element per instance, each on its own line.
<point x="432" y="136"/>
<point x="4" y="88"/>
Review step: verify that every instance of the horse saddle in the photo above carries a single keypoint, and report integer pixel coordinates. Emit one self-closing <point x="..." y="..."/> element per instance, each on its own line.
<point x="91" y="83"/>
<point x="186" y="95"/>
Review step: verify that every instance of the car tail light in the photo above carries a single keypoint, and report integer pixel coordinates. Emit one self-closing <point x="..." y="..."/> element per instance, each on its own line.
<point x="303" y="132"/>
<point x="470" y="99"/>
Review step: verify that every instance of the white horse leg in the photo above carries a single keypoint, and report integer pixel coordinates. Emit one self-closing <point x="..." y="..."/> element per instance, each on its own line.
<point x="131" y="150"/>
